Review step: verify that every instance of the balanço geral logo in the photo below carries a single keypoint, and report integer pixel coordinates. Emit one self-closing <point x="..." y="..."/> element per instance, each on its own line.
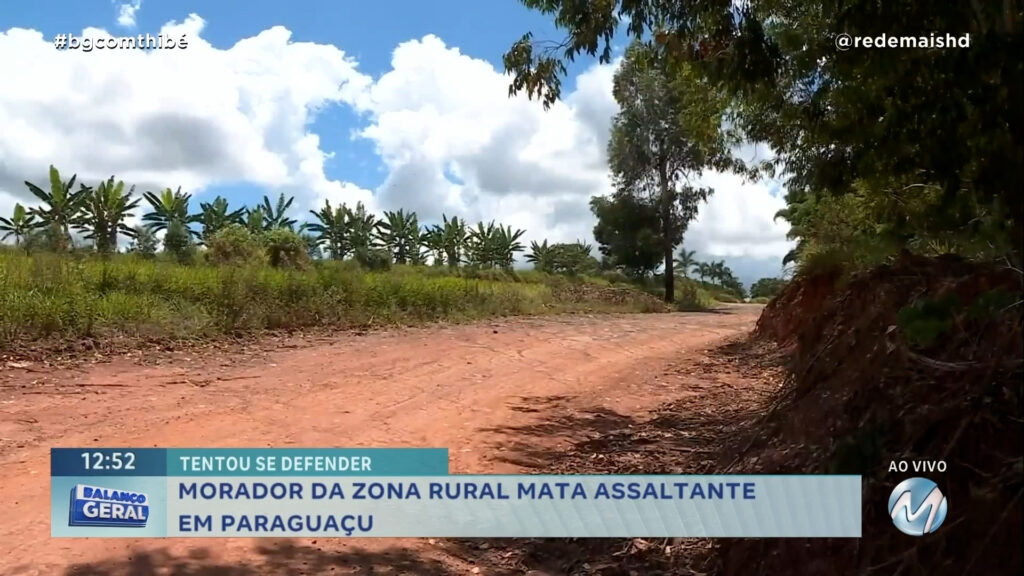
<point x="917" y="506"/>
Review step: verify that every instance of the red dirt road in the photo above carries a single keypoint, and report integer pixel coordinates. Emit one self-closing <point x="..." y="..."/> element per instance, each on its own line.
<point x="460" y="387"/>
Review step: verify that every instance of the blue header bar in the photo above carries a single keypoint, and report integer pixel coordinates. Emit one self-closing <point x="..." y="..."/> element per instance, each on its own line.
<point x="248" y="462"/>
<point x="108" y="462"/>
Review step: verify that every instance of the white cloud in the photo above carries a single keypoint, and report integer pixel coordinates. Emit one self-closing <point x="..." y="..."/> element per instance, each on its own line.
<point x="454" y="142"/>
<point x="439" y="111"/>
<point x="738" y="220"/>
<point x="448" y="135"/>
<point x="191" y="117"/>
<point x="126" y="13"/>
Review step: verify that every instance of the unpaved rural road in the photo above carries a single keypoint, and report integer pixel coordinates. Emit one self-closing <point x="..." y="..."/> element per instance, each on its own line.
<point x="462" y="387"/>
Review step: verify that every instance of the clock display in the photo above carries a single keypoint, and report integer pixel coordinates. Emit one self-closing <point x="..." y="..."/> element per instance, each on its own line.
<point x="109" y="460"/>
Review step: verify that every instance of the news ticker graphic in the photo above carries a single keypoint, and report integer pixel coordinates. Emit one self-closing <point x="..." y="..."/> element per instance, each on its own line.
<point x="408" y="492"/>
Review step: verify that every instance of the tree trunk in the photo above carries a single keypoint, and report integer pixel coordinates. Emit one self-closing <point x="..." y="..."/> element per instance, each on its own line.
<point x="666" y="232"/>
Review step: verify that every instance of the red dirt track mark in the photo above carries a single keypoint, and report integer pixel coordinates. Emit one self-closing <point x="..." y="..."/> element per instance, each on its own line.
<point x="460" y="387"/>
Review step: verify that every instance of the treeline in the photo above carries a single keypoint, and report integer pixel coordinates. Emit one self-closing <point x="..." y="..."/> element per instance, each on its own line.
<point x="99" y="214"/>
<point x="267" y="234"/>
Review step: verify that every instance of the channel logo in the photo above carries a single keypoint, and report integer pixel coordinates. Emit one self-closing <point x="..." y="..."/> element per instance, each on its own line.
<point x="917" y="506"/>
<point x="96" y="506"/>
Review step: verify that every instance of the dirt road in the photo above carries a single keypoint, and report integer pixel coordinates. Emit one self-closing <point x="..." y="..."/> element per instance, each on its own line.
<point x="467" y="388"/>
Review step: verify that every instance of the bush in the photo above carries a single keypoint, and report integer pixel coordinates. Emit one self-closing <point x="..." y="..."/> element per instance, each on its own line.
<point x="691" y="297"/>
<point x="235" y="245"/>
<point x="373" y="258"/>
<point x="760" y="300"/>
<point x="286" y="249"/>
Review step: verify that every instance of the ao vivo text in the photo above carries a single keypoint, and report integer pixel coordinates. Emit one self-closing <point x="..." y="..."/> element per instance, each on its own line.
<point x="917" y="466"/>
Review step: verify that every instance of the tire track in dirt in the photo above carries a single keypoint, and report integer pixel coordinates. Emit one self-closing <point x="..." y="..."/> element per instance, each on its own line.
<point x="454" y="387"/>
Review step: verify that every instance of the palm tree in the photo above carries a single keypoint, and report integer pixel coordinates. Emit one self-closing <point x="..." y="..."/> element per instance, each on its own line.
<point x="506" y="244"/>
<point x="274" y="215"/>
<point x="573" y="259"/>
<point x="214" y="217"/>
<point x="433" y="241"/>
<point x="716" y="271"/>
<point x="703" y="270"/>
<point x="541" y="256"/>
<point x="480" y="245"/>
<point x="400" y="234"/>
<point x="62" y="205"/>
<point x="362" y="226"/>
<point x="454" y="239"/>
<point x="331" y="228"/>
<point x="169" y="207"/>
<point x="19" y="225"/>
<point x="685" y="260"/>
<point x="104" y="213"/>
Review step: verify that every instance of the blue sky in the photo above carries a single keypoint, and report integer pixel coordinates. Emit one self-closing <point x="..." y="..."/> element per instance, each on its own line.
<point x="397" y="104"/>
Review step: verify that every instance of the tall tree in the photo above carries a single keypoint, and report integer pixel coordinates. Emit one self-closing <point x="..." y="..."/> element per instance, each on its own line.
<point x="20" y="225"/>
<point x="665" y="134"/>
<point x="61" y="206"/>
<point x="104" y="213"/>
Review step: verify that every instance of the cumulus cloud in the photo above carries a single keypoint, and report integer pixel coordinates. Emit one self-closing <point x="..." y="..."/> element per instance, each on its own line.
<point x="448" y="136"/>
<point x="192" y="117"/>
<point x="453" y="141"/>
<point x="126" y="13"/>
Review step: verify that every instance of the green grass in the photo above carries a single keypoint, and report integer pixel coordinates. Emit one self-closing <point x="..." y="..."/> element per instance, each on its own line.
<point x="48" y="296"/>
<point x="760" y="300"/>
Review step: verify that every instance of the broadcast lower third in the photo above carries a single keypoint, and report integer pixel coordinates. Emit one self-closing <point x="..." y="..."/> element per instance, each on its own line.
<point x="934" y="40"/>
<point x="140" y="42"/>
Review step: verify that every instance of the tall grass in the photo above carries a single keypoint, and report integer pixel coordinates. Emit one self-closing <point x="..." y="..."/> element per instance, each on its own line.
<point x="51" y="296"/>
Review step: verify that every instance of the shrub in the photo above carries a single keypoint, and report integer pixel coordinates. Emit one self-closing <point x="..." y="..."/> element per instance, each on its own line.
<point x="760" y="300"/>
<point x="178" y="242"/>
<point x="286" y="249"/>
<point x="691" y="297"/>
<point x="235" y="245"/>
<point x="373" y="258"/>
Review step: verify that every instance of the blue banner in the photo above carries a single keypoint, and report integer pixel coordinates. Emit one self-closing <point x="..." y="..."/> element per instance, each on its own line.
<point x="303" y="500"/>
<point x="127" y="462"/>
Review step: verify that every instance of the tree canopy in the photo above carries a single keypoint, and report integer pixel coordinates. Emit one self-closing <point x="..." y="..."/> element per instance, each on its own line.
<point x="893" y="120"/>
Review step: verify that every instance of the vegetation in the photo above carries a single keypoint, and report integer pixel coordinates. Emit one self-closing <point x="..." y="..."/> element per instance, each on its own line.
<point x="766" y="288"/>
<point x="225" y="271"/>
<point x="48" y="295"/>
<point x="665" y="133"/>
<point x="871" y="166"/>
